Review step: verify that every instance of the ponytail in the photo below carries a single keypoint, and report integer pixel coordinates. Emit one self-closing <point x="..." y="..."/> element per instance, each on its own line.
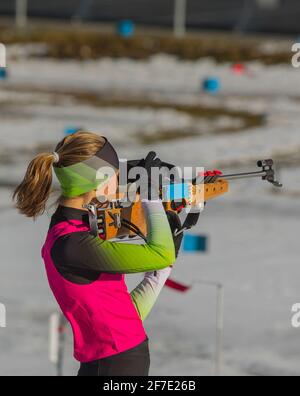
<point x="33" y="193"/>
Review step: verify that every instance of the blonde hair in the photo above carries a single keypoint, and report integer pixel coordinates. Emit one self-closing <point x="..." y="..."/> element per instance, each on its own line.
<point x="32" y="194"/>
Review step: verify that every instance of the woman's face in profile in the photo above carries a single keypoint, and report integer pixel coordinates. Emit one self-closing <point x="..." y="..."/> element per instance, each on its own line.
<point x="108" y="189"/>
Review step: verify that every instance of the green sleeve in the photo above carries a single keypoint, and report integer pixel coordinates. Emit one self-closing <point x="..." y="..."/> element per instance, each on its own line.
<point x="128" y="258"/>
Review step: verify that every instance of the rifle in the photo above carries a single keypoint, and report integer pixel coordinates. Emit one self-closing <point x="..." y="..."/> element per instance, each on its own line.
<point x="118" y="220"/>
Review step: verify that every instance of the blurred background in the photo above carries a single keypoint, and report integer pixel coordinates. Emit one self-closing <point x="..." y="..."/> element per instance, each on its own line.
<point x="203" y="83"/>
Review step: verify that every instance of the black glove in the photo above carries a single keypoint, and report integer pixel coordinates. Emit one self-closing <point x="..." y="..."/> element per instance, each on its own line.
<point x="175" y="224"/>
<point x="151" y="161"/>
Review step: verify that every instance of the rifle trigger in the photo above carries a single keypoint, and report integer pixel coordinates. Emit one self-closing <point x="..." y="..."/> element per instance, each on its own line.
<point x="116" y="220"/>
<point x="93" y="219"/>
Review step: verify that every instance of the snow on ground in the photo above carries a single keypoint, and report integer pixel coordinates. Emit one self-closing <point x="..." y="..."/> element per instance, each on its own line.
<point x="162" y="74"/>
<point x="253" y="231"/>
<point x="266" y="90"/>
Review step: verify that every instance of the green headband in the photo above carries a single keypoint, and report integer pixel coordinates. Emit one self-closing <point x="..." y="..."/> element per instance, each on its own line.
<point x="87" y="176"/>
<point x="78" y="179"/>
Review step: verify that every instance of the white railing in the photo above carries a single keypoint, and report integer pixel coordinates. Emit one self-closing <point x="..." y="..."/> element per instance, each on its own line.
<point x="180" y="18"/>
<point x="2" y="55"/>
<point x="2" y="315"/>
<point x="21" y="13"/>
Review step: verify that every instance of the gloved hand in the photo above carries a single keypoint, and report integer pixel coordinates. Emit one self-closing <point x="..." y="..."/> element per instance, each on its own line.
<point x="151" y="161"/>
<point x="152" y="186"/>
<point x="175" y="224"/>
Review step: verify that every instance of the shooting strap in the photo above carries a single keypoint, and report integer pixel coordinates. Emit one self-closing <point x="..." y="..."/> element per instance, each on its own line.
<point x="191" y="220"/>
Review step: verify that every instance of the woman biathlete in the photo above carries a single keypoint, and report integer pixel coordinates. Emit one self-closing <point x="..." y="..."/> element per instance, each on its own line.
<point x="85" y="273"/>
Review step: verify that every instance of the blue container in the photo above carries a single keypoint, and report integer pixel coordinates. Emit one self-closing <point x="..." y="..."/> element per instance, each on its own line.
<point x="173" y="192"/>
<point x="71" y="129"/>
<point x="3" y="73"/>
<point x="126" y="28"/>
<point x="195" y="243"/>
<point x="211" y="85"/>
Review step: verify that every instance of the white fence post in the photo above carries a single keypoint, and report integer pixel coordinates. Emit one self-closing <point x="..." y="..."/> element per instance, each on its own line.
<point x="180" y="18"/>
<point x="57" y="340"/>
<point x="21" y="13"/>
<point x="2" y="55"/>
<point x="246" y="15"/>
<point x="219" y="358"/>
<point x="268" y="4"/>
<point x="2" y="315"/>
<point x="220" y="330"/>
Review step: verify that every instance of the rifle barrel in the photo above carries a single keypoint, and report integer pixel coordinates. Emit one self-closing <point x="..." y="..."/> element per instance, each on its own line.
<point x="236" y="176"/>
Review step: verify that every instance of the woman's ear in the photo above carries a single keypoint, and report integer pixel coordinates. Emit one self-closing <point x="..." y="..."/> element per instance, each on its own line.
<point x="88" y="197"/>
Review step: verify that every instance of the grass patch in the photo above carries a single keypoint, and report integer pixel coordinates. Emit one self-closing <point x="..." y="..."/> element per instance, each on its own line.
<point x="198" y="111"/>
<point x="164" y="136"/>
<point x="251" y="120"/>
<point x="245" y="120"/>
<point x="81" y="43"/>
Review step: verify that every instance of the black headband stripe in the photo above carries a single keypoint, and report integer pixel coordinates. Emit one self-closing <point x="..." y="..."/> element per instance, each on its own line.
<point x="108" y="154"/>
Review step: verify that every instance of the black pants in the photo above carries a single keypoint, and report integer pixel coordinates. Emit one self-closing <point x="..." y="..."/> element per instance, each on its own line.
<point x="132" y="363"/>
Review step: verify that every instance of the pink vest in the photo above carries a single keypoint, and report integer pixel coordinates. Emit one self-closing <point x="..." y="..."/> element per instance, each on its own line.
<point x="102" y="315"/>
